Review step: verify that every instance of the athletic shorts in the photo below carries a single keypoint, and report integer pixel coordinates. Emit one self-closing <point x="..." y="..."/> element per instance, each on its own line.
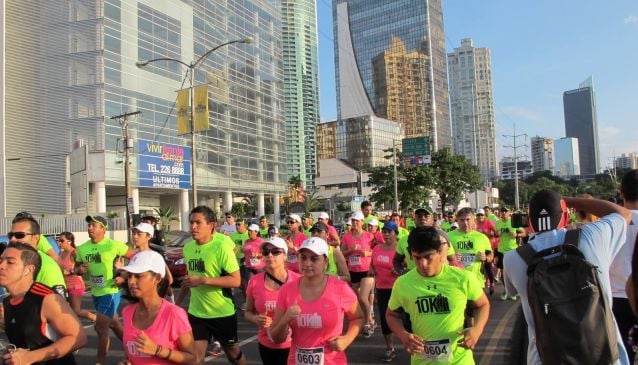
<point x="356" y="276"/>
<point x="74" y="285"/>
<point x="223" y="329"/>
<point x="499" y="264"/>
<point x="107" y="304"/>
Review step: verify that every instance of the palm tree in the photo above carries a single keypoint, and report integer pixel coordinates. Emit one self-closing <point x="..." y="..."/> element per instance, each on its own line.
<point x="166" y="216"/>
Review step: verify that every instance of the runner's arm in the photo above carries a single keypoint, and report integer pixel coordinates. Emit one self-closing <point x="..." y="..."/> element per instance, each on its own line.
<point x="342" y="266"/>
<point x="182" y="294"/>
<point x="411" y="342"/>
<point x="232" y="280"/>
<point x="397" y="263"/>
<point x="598" y="207"/>
<point x="185" y="354"/>
<point x="481" y="315"/>
<point x="355" y="322"/>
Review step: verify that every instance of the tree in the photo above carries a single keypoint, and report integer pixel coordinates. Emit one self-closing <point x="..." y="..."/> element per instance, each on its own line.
<point x="295" y="187"/>
<point x="166" y="216"/>
<point x="451" y="175"/>
<point x="312" y="203"/>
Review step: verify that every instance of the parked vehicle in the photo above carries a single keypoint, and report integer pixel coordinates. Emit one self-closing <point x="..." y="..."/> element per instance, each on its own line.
<point x="174" y="254"/>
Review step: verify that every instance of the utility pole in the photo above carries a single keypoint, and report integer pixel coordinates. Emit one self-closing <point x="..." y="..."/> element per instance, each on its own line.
<point x="128" y="144"/>
<point x="395" y="206"/>
<point x="515" y="147"/>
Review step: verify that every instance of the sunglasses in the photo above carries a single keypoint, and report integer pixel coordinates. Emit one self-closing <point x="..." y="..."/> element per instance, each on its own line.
<point x="291" y="222"/>
<point x="19" y="235"/>
<point x="273" y="251"/>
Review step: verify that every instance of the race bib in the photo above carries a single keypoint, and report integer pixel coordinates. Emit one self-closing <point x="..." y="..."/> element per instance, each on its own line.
<point x="255" y="261"/>
<point x="292" y="259"/>
<point x="354" y="260"/>
<point x="313" y="356"/>
<point x="97" y="281"/>
<point x="467" y="259"/>
<point x="438" y="350"/>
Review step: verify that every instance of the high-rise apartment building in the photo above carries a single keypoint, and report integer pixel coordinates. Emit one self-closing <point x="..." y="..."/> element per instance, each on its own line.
<point x="509" y="170"/>
<point x="391" y="63"/>
<point x="363" y="141"/>
<point x="581" y="122"/>
<point x="566" y="157"/>
<point x="301" y="87"/>
<point x="627" y="161"/>
<point x="472" y="107"/>
<point x="72" y="66"/>
<point x="542" y="149"/>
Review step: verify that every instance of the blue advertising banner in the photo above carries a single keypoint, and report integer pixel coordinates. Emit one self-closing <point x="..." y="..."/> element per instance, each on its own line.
<point x="164" y="165"/>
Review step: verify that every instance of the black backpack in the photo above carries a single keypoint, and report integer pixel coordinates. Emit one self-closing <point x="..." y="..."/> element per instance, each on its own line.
<point x="574" y="322"/>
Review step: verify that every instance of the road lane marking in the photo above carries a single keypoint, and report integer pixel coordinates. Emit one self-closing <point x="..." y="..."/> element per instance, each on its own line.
<point x="497" y="335"/>
<point x="242" y="343"/>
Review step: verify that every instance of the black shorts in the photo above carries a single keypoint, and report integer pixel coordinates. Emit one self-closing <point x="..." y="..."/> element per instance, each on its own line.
<point x="223" y="329"/>
<point x="356" y="276"/>
<point x="499" y="263"/>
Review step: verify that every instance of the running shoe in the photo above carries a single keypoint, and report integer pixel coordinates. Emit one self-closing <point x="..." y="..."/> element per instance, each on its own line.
<point x="504" y="296"/>
<point x="367" y="331"/>
<point x="243" y="306"/>
<point x="514" y="298"/>
<point x="215" y="348"/>
<point x="389" y="355"/>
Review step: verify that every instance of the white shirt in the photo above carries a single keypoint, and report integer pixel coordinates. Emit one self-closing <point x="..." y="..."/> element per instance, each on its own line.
<point x="599" y="242"/>
<point x="621" y="266"/>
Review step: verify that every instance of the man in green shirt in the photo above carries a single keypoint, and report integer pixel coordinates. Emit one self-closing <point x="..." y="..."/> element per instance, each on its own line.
<point x="307" y="220"/>
<point x="471" y="248"/>
<point x="435" y="297"/>
<point x="446" y="225"/>
<point x="239" y="237"/>
<point x="98" y="256"/>
<point x="26" y="230"/>
<point x="212" y="273"/>
<point x="43" y="243"/>
<point x="507" y="241"/>
<point x="263" y="227"/>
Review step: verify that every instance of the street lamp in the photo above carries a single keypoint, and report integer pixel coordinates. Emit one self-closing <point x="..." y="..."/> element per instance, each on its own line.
<point x="191" y="69"/>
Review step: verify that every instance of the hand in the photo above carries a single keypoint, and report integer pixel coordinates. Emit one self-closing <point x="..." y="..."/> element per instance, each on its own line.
<point x="17" y="357"/>
<point x="337" y="343"/>
<point x="480" y="256"/>
<point x="470" y="337"/>
<point x="191" y="281"/>
<point x="264" y="320"/>
<point x="367" y="253"/>
<point x="413" y="344"/>
<point x="119" y="281"/>
<point x="144" y="344"/>
<point x="293" y="312"/>
<point x="119" y="262"/>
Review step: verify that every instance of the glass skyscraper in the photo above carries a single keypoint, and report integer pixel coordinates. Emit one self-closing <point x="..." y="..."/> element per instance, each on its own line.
<point x="581" y="123"/>
<point x="391" y="63"/>
<point x="301" y="87"/>
<point x="70" y="65"/>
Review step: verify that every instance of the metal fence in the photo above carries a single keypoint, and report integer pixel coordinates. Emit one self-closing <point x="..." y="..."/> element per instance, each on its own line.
<point x="54" y="224"/>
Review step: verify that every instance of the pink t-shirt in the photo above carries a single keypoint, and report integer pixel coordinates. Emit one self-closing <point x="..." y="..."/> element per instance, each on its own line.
<point x="171" y="322"/>
<point x="384" y="277"/>
<point x="319" y="320"/>
<point x="357" y="260"/>
<point x="332" y="232"/>
<point x="265" y="301"/>
<point x="378" y="239"/>
<point x="252" y="254"/>
<point x="488" y="228"/>
<point x="292" y="260"/>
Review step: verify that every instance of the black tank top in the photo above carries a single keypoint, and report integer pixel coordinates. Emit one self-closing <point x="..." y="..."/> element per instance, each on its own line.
<point x="24" y="324"/>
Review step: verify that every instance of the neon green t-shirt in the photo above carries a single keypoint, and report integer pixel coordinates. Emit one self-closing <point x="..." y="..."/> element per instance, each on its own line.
<point x="409" y="224"/>
<point x="307" y="232"/>
<point x="492" y="217"/>
<point x="100" y="257"/>
<point x="332" y="265"/>
<point x="263" y="233"/>
<point x="51" y="275"/>
<point x="446" y="226"/>
<point x="212" y="259"/>
<point x="403" y="233"/>
<point x="436" y="306"/>
<point x="505" y="241"/>
<point x="467" y="245"/>
<point x="372" y="216"/>
<point x="43" y="244"/>
<point x="239" y="239"/>
<point x="402" y="249"/>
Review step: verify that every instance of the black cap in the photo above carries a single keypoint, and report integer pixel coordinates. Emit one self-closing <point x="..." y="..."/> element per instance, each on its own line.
<point x="546" y="211"/>
<point x="422" y="210"/>
<point x="504" y="209"/>
<point x="307" y="215"/>
<point x="240" y="221"/>
<point x="319" y="226"/>
<point x="98" y="219"/>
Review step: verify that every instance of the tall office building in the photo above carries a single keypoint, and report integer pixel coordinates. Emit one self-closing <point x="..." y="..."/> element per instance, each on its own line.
<point x="472" y="106"/>
<point x="542" y="153"/>
<point x="363" y="141"/>
<point x="72" y="66"/>
<point x="327" y="140"/>
<point x="391" y="63"/>
<point x="509" y="170"/>
<point x="301" y="87"/>
<point x="581" y="122"/>
<point x="566" y="157"/>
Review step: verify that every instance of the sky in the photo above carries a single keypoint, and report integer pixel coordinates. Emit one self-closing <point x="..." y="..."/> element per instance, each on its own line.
<point x="539" y="50"/>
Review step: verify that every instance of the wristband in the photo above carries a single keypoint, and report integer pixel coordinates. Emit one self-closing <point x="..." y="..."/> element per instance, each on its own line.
<point x="157" y="351"/>
<point x="170" y="352"/>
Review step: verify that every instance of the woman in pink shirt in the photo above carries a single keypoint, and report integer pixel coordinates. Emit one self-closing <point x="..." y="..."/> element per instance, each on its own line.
<point x="74" y="282"/>
<point x="254" y="260"/>
<point x="261" y="299"/>
<point x="156" y="332"/>
<point x="294" y="239"/>
<point x="313" y="308"/>
<point x="384" y="277"/>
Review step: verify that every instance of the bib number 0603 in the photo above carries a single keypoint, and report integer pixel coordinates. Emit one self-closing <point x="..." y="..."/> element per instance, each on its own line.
<point x="309" y="356"/>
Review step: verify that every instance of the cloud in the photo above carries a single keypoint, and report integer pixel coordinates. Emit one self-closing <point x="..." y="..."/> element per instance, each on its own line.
<point x="515" y="112"/>
<point x="632" y="19"/>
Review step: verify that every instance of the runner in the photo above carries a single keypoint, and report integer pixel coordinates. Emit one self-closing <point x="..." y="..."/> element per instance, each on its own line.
<point x="294" y="239"/>
<point x="253" y="258"/>
<point x="97" y="256"/>
<point x="488" y="228"/>
<point x="337" y="265"/>
<point x="212" y="272"/>
<point x="446" y="225"/>
<point x="506" y="242"/>
<point x="384" y="277"/>
<point x="74" y="282"/>
<point x="356" y="246"/>
<point x="143" y="235"/>
<point x="239" y="237"/>
<point x="313" y="308"/>
<point x="263" y="227"/>
<point x="307" y="220"/>
<point x="155" y="330"/>
<point x="229" y="226"/>
<point x="43" y="244"/>
<point x="402" y="260"/>
<point x="31" y="307"/>
<point x="373" y="227"/>
<point x="435" y="297"/>
<point x="261" y="299"/>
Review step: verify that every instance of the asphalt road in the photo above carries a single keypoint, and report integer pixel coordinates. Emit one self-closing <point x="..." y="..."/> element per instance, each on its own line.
<point x="494" y="347"/>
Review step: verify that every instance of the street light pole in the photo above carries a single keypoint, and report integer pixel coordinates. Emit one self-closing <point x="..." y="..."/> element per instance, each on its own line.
<point x="394" y="170"/>
<point x="515" y="147"/>
<point x="191" y="69"/>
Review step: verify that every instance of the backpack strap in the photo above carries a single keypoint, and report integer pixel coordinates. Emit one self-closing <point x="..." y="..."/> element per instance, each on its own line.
<point x="527" y="253"/>
<point x="572" y="237"/>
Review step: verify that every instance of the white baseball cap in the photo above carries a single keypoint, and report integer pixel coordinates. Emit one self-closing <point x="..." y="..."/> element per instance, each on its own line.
<point x="324" y="215"/>
<point x="357" y="216"/>
<point x="373" y="222"/>
<point x="316" y="245"/>
<point x="253" y="227"/>
<point x="143" y="261"/>
<point x="480" y="211"/>
<point x="277" y="242"/>
<point x="145" y="227"/>
<point x="295" y="217"/>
